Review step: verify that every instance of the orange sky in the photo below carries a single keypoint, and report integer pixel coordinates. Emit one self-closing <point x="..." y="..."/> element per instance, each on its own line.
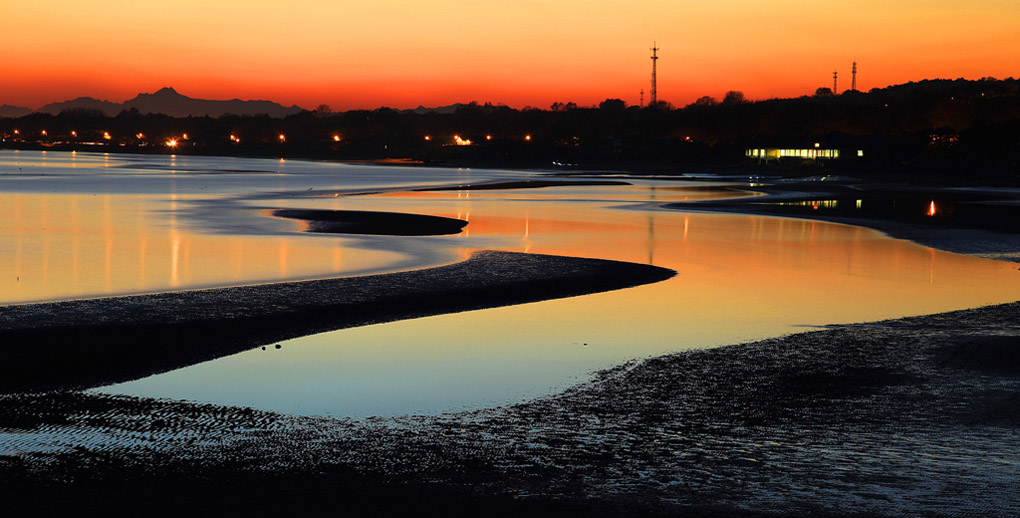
<point x="402" y="53"/>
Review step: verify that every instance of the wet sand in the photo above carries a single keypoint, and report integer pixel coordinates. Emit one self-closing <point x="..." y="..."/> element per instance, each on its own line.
<point x="373" y="222"/>
<point x="915" y="416"/>
<point x="976" y="221"/>
<point x="101" y="341"/>
<point x="524" y="184"/>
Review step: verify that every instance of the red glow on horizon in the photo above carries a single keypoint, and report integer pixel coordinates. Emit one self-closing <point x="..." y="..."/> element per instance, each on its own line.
<point x="521" y="55"/>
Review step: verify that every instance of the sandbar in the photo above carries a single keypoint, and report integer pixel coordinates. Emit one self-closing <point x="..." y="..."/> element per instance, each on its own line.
<point x="373" y="222"/>
<point x="92" y="342"/>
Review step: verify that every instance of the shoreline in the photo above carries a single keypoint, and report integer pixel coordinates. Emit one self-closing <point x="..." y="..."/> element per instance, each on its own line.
<point x="875" y="419"/>
<point x="917" y="415"/>
<point x="978" y="222"/>
<point x="94" y="342"/>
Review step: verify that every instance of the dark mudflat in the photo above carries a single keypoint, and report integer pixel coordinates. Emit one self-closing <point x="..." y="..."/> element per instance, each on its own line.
<point x="86" y="343"/>
<point x="977" y="221"/>
<point x="912" y="417"/>
<point x="373" y="222"/>
<point x="525" y="184"/>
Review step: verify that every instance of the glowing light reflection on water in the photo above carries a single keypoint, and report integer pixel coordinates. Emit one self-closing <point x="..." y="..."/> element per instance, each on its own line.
<point x="740" y="278"/>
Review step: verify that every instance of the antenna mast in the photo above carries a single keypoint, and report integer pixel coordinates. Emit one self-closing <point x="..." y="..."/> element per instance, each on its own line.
<point x="654" y="97"/>
<point x="835" y="91"/>
<point x="853" y="81"/>
<point x="642" y="101"/>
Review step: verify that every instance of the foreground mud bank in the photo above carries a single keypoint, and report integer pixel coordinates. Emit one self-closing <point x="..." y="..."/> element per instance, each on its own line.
<point x="86" y="343"/>
<point x="915" y="416"/>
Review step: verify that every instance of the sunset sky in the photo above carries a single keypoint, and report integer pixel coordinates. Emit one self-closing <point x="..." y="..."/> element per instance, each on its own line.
<point x="402" y="53"/>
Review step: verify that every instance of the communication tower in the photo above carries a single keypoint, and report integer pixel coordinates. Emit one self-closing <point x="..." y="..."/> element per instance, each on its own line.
<point x="642" y="101"/>
<point x="654" y="97"/>
<point x="853" y="80"/>
<point x="834" y="90"/>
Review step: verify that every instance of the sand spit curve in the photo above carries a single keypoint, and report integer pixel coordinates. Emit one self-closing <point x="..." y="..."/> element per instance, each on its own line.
<point x="87" y="343"/>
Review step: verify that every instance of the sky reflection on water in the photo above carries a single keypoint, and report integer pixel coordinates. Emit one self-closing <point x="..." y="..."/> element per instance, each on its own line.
<point x="740" y="278"/>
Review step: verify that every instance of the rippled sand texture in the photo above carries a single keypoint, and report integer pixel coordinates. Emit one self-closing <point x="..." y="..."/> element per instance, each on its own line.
<point x="903" y="417"/>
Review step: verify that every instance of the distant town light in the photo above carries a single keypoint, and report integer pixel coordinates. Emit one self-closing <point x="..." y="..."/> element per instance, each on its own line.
<point x="74" y="133"/>
<point x="140" y="136"/>
<point x="428" y="137"/>
<point x="931" y="208"/>
<point x="488" y="137"/>
<point x="336" y="138"/>
<point x="43" y="133"/>
<point x="172" y="142"/>
<point x="106" y="135"/>
<point x="16" y="132"/>
<point x="283" y="138"/>
<point x="527" y="137"/>
<point x="818" y="145"/>
<point x="461" y="142"/>
<point x="184" y="136"/>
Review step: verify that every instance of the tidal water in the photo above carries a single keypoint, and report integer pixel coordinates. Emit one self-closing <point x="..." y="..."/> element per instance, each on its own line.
<point x="81" y="225"/>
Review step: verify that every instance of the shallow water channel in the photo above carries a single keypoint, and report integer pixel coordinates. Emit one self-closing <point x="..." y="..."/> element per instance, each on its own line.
<point x="88" y="224"/>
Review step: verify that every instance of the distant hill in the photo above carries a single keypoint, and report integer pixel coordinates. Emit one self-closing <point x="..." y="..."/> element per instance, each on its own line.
<point x="83" y="103"/>
<point x="168" y="102"/>
<point x="422" y="110"/>
<point x="13" y="111"/>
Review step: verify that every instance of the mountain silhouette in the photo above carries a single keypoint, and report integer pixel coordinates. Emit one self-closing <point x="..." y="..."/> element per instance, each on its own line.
<point x="168" y="102"/>
<point x="83" y="103"/>
<point x="8" y="110"/>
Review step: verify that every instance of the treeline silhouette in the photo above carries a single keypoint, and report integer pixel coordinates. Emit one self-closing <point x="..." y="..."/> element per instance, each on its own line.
<point x="948" y="126"/>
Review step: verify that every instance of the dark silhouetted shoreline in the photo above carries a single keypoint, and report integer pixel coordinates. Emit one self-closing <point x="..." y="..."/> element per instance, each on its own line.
<point x="956" y="130"/>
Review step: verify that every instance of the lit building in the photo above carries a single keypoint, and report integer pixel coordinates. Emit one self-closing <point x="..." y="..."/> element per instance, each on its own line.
<point x="767" y="154"/>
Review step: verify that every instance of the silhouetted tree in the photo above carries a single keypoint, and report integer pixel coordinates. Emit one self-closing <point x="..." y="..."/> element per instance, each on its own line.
<point x="733" y="97"/>
<point x="706" y="100"/>
<point x="614" y="105"/>
<point x="824" y="91"/>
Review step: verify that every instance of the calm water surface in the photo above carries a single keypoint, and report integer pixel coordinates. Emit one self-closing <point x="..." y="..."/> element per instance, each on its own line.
<point x="84" y="225"/>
